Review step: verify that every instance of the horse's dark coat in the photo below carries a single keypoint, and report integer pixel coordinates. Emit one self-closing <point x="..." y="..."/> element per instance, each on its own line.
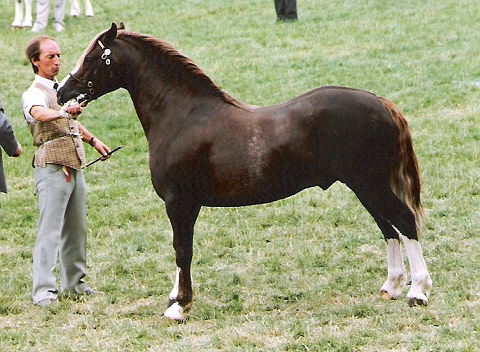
<point x="208" y="149"/>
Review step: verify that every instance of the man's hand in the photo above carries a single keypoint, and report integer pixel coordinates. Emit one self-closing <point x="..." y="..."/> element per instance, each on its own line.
<point x="71" y="109"/>
<point x="18" y="151"/>
<point x="101" y="148"/>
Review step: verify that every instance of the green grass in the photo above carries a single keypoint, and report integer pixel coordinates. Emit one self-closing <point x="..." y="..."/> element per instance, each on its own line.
<point x="301" y="274"/>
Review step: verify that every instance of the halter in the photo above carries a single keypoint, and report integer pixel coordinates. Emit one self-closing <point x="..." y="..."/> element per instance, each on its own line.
<point x="106" y="58"/>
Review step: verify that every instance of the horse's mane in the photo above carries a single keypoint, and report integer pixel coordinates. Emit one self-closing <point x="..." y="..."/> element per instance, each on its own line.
<point x="201" y="79"/>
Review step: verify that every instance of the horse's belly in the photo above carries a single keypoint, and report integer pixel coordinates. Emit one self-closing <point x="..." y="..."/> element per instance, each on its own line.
<point x="246" y="192"/>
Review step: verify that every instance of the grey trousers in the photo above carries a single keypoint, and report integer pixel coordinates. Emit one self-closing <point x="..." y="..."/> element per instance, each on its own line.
<point x="62" y="232"/>
<point x="43" y="9"/>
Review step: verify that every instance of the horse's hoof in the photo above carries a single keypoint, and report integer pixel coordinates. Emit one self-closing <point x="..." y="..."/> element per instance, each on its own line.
<point x="175" y="313"/>
<point x="386" y="296"/>
<point x="415" y="301"/>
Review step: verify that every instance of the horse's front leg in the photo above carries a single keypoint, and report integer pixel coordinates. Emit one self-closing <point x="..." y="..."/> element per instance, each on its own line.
<point x="183" y="220"/>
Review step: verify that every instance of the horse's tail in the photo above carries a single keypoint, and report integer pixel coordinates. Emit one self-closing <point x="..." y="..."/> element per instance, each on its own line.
<point x="405" y="175"/>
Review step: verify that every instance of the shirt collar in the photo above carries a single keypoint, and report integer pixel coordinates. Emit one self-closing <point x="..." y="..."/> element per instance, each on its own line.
<point x="45" y="81"/>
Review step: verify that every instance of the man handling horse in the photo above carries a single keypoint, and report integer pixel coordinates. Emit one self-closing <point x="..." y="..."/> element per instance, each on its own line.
<point x="59" y="180"/>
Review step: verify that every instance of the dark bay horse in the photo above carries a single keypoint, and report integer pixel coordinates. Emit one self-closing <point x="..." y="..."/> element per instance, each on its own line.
<point x="209" y="149"/>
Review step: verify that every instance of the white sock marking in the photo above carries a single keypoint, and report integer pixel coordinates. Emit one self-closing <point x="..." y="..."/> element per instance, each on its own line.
<point x="397" y="275"/>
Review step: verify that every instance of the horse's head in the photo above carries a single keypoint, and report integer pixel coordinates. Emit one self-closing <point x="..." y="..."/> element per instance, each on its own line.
<point x="94" y="75"/>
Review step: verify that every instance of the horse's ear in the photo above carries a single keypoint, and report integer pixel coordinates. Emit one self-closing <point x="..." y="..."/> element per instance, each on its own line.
<point x="110" y="35"/>
<point x="121" y="26"/>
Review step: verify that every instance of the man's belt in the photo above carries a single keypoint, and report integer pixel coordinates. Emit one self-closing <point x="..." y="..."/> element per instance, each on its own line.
<point x="74" y="135"/>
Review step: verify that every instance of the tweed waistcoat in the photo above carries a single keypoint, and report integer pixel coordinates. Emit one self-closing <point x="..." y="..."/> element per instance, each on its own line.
<point x="58" y="141"/>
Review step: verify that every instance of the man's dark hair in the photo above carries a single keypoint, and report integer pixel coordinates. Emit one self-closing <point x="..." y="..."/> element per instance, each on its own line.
<point x="33" y="50"/>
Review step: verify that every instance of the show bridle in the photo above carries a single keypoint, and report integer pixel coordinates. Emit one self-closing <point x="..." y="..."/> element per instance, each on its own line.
<point x="89" y="85"/>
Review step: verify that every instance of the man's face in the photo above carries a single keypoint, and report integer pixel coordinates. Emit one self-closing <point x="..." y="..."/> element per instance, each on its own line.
<point x="49" y="63"/>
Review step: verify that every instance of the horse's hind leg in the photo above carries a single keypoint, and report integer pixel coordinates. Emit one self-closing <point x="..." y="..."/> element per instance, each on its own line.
<point x="421" y="281"/>
<point x="397" y="275"/>
<point x="395" y="219"/>
<point x="402" y="220"/>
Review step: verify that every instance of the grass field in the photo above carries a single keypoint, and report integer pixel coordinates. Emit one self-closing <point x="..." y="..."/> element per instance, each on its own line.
<point x="301" y="274"/>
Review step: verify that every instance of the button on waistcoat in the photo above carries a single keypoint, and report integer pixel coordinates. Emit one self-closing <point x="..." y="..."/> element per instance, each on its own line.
<point x="58" y="141"/>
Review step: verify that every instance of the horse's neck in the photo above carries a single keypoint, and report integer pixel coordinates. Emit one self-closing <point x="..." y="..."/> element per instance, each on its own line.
<point x="159" y="95"/>
<point x="158" y="104"/>
<point x="169" y="108"/>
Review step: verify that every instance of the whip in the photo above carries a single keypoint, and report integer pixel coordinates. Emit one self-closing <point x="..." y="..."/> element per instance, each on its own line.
<point x="100" y="158"/>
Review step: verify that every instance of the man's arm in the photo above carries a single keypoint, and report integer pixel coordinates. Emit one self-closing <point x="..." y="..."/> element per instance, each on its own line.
<point x="94" y="141"/>
<point x="44" y="114"/>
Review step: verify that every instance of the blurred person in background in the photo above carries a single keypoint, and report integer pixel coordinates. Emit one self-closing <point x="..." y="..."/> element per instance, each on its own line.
<point x="75" y="8"/>
<point x="8" y="143"/>
<point x="43" y="10"/>
<point x="22" y="19"/>
<point x="286" y="10"/>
